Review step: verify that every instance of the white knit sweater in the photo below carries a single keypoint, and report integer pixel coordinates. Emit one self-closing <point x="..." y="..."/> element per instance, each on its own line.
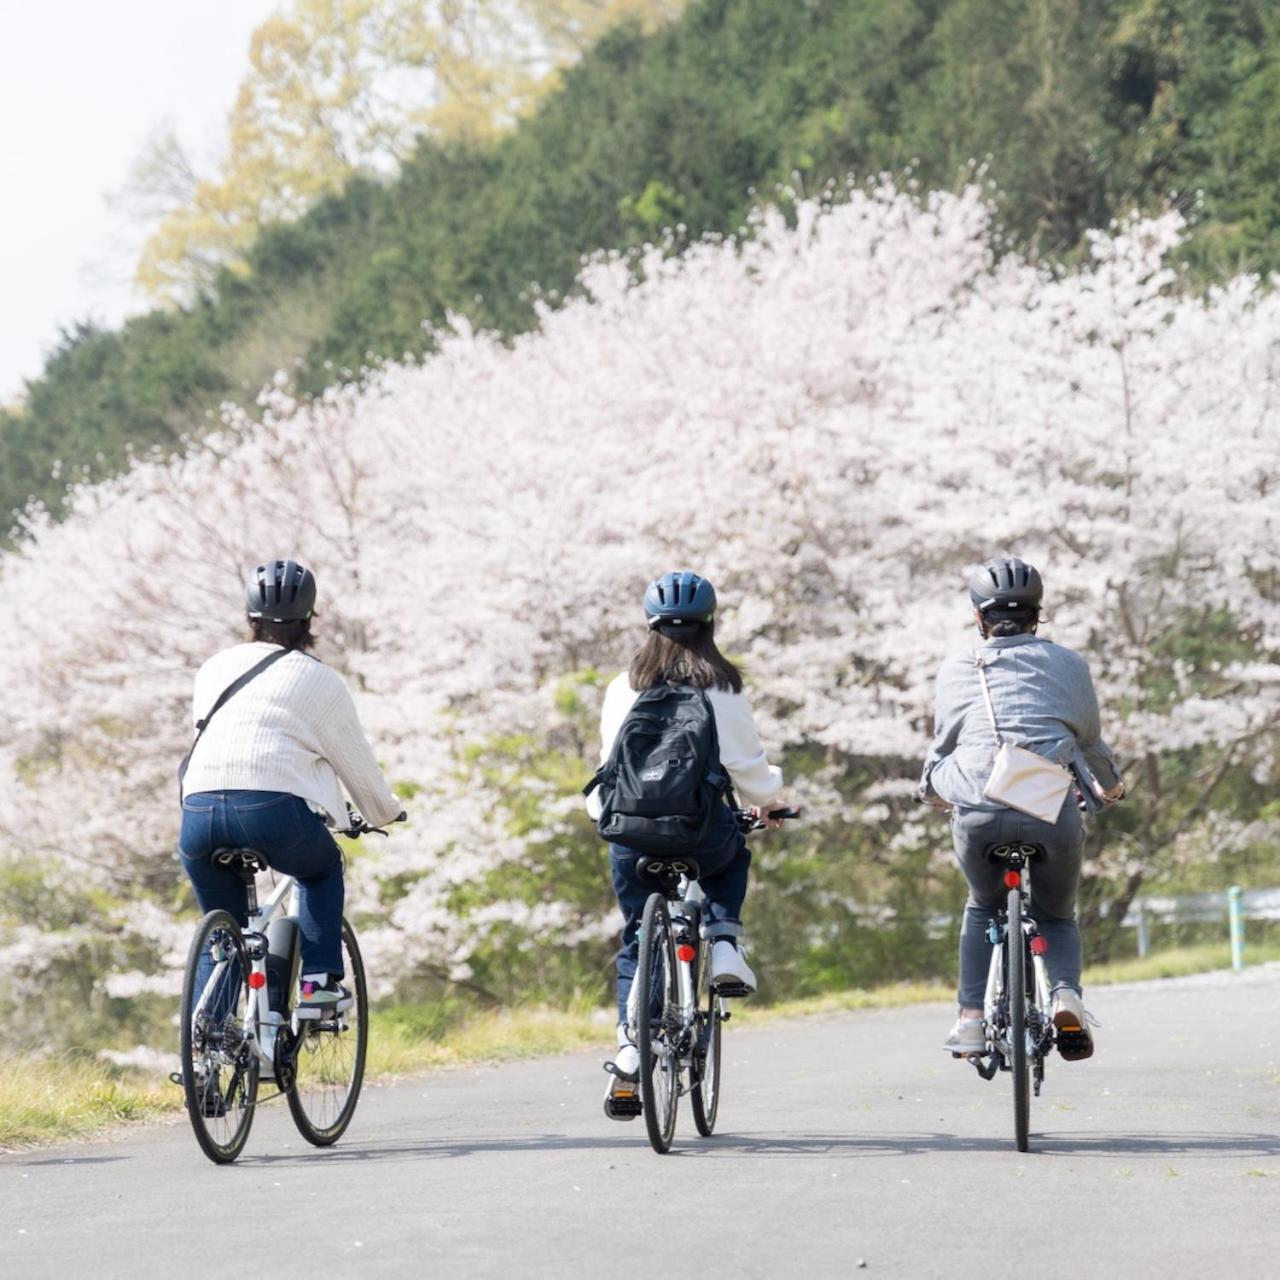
<point x="755" y="780"/>
<point x="293" y="728"/>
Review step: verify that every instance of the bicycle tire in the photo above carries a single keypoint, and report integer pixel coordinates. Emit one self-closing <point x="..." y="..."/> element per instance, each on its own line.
<point x="704" y="1097"/>
<point x="659" y="1066"/>
<point x="219" y="1066"/>
<point x="1016" y="949"/>
<point x="329" y="1059"/>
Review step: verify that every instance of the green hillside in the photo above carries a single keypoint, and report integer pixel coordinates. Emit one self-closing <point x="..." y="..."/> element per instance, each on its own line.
<point x="1085" y="108"/>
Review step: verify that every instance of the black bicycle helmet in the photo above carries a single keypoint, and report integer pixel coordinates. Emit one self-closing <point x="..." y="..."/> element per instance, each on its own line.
<point x="679" y="600"/>
<point x="280" y="591"/>
<point x="1006" y="587"/>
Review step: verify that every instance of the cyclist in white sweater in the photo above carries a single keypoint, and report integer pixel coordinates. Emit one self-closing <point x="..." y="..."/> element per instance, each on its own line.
<point x="681" y="649"/>
<point x="268" y="772"/>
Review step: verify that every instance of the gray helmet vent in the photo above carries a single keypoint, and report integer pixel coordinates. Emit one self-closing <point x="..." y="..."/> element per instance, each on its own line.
<point x="280" y="591"/>
<point x="1006" y="586"/>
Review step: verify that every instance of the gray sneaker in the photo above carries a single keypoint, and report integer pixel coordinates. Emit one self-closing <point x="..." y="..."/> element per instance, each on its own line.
<point x="967" y="1036"/>
<point x="316" y="1000"/>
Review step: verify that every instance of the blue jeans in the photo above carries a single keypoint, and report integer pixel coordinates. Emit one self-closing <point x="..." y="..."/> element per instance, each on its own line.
<point x="293" y="839"/>
<point x="724" y="860"/>
<point x="1054" y="881"/>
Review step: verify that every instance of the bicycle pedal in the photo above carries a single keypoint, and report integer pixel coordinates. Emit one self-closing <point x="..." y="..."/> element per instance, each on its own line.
<point x="321" y="1013"/>
<point x="733" y="991"/>
<point x="622" y="1101"/>
<point x="1074" y="1043"/>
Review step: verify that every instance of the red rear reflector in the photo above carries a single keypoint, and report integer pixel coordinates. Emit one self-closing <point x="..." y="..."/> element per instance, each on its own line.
<point x="685" y="953"/>
<point x="1039" y="945"/>
<point x="1013" y="879"/>
<point x="257" y="980"/>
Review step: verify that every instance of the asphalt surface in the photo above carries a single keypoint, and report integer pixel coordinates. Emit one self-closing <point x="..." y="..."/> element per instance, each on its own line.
<point x="847" y="1145"/>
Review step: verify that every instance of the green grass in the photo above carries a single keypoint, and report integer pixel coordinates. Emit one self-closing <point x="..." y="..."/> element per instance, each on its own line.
<point x="46" y="1100"/>
<point x="1177" y="962"/>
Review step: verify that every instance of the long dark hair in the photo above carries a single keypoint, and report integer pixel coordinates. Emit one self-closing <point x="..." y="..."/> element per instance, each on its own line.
<point x="685" y="657"/>
<point x="290" y="635"/>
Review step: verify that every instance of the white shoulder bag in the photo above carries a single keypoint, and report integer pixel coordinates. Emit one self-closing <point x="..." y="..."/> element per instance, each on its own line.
<point x="1021" y="779"/>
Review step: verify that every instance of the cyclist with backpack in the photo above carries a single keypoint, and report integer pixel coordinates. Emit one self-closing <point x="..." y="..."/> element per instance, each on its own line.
<point x="678" y="739"/>
<point x="277" y="740"/>
<point x="1018" y="690"/>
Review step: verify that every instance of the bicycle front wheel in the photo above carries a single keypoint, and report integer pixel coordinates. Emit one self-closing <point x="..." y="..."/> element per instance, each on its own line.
<point x="219" y="1065"/>
<point x="1016" y="947"/>
<point x="705" y="1095"/>
<point x="328" y="1058"/>
<point x="657" y="1019"/>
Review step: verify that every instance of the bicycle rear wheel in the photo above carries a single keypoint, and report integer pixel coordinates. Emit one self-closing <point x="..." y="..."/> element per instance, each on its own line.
<point x="219" y="1065"/>
<point x="657" y="1016"/>
<point x="1016" y="949"/>
<point x="328" y="1059"/>
<point x="705" y="1095"/>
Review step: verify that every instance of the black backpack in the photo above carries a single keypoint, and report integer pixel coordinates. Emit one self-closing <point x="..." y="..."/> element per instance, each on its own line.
<point x="663" y="779"/>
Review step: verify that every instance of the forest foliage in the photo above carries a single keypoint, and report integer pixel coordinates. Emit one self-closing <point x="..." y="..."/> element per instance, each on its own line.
<point x="1078" y="109"/>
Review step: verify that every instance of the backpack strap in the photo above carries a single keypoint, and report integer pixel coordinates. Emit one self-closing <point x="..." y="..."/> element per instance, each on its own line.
<point x="601" y="776"/>
<point x="230" y="691"/>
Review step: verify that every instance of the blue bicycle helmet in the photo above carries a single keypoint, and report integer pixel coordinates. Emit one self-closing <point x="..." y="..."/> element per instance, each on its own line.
<point x="280" y="591"/>
<point x="679" y="600"/>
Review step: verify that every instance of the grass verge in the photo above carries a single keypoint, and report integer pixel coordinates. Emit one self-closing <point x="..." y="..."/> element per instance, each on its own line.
<point x="46" y="1100"/>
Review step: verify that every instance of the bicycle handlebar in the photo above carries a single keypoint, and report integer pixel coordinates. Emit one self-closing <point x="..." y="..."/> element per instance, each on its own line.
<point x="357" y="826"/>
<point x="748" y="821"/>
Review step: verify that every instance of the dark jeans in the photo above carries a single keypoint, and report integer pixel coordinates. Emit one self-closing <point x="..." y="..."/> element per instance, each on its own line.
<point x="1054" y="881"/>
<point x="724" y="860"/>
<point x="293" y="839"/>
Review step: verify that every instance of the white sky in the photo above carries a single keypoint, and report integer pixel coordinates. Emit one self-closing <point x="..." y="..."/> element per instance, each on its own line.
<point x="82" y="85"/>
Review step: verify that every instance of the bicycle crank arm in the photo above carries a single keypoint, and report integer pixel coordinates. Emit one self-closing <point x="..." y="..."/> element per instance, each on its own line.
<point x="986" y="1066"/>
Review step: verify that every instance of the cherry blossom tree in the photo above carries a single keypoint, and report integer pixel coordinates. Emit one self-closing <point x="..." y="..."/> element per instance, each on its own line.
<point x="833" y="416"/>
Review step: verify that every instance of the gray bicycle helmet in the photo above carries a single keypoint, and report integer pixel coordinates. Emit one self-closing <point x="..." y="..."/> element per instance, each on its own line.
<point x="679" y="600"/>
<point x="280" y="591"/>
<point x="1006" y="587"/>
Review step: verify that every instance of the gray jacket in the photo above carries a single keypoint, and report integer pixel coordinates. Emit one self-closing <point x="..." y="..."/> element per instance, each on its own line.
<point x="1044" y="701"/>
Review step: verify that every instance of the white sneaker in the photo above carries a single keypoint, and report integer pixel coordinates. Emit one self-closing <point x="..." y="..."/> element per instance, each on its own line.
<point x="1071" y="1025"/>
<point x="730" y="970"/>
<point x="626" y="1062"/>
<point x="967" y="1036"/>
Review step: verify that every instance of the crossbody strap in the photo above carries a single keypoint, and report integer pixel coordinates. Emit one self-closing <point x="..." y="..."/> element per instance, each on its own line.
<point x="233" y="688"/>
<point x="986" y="693"/>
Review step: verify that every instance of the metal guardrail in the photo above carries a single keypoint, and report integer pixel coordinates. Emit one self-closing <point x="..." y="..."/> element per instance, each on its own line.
<point x="1230" y="906"/>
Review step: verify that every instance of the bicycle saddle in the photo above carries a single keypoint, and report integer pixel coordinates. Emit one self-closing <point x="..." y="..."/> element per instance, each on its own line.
<point x="667" y="866"/>
<point x="246" y="863"/>
<point x="1004" y="851"/>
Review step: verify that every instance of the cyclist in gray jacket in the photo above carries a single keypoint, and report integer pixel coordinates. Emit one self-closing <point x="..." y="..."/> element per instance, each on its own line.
<point x="1044" y="700"/>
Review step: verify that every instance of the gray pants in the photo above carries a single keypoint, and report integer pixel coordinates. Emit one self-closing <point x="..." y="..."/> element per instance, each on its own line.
<point x="1054" y="881"/>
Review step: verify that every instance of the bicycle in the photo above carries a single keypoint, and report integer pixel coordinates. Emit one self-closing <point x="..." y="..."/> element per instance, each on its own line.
<point x="678" y="1027"/>
<point x="240" y="1026"/>
<point x="1016" y="1009"/>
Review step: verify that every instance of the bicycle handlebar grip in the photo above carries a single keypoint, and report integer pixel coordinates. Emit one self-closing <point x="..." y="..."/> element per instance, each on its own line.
<point x="782" y="813"/>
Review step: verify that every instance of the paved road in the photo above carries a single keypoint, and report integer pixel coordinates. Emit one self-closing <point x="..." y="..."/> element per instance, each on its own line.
<point x="849" y="1144"/>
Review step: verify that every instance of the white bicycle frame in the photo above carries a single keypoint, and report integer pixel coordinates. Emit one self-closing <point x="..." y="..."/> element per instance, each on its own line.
<point x="689" y="991"/>
<point x="995" y="986"/>
<point x="262" y="1023"/>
